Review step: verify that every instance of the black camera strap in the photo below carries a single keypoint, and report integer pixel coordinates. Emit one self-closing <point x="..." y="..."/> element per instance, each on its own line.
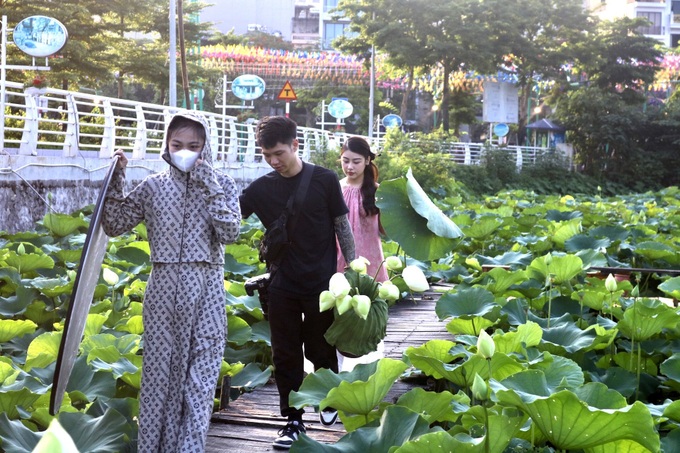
<point x="293" y="208"/>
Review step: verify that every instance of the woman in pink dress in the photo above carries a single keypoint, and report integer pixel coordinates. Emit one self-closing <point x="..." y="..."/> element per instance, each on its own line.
<point x="358" y="189"/>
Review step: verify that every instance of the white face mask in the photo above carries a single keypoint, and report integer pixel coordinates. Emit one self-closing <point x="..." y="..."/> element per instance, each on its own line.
<point x="184" y="159"/>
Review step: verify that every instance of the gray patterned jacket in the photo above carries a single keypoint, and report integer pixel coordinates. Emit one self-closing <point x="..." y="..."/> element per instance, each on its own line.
<point x="189" y="216"/>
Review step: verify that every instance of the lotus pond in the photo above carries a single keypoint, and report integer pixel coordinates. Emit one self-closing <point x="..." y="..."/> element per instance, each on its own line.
<point x="545" y="354"/>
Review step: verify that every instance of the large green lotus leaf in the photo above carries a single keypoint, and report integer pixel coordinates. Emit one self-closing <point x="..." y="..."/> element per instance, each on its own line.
<point x="43" y="350"/>
<point x="672" y="411"/>
<point x="653" y="250"/>
<point x="562" y="268"/>
<point x="28" y="262"/>
<point x="12" y="400"/>
<point x="433" y="406"/>
<point x="135" y="253"/>
<point x="468" y="326"/>
<point x="251" y="377"/>
<point x="671" y="443"/>
<point x="592" y="258"/>
<point x="442" y="441"/>
<point x="583" y="242"/>
<point x="648" y="317"/>
<point x="671" y="367"/>
<point x="243" y="253"/>
<point x="239" y="332"/>
<point x="526" y="336"/>
<point x="361" y="397"/>
<point x="566" y="230"/>
<point x="315" y="386"/>
<point x="53" y="287"/>
<point x="423" y="237"/>
<point x="560" y="372"/>
<point x="463" y="374"/>
<point x="61" y="225"/>
<point x="14" y="328"/>
<point x="467" y="303"/>
<point x="614" y="233"/>
<point x="671" y="287"/>
<point x="566" y="337"/>
<point x="235" y="267"/>
<point x="397" y="426"/>
<point x="571" y="424"/>
<point x="504" y="279"/>
<point x="622" y="446"/>
<point x="509" y="258"/>
<point x="438" y="350"/>
<point x="502" y="428"/>
<point x="351" y="334"/>
<point x="599" y="395"/>
<point x="483" y="227"/>
<point x="103" y="433"/>
<point x="90" y="381"/>
<point x="16" y="437"/>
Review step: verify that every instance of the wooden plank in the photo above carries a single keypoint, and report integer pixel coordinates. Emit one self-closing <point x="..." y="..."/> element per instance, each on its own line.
<point x="250" y="423"/>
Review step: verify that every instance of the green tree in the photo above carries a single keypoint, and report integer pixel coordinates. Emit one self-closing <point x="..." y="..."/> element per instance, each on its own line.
<point x="543" y="36"/>
<point x="606" y="113"/>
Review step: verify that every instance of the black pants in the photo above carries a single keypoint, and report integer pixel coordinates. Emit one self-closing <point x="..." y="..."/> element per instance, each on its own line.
<point x="296" y="322"/>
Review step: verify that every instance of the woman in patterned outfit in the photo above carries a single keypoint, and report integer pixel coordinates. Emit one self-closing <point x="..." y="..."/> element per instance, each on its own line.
<point x="190" y="211"/>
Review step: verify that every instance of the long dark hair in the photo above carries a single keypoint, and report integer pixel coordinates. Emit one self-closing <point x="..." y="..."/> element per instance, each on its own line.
<point x="360" y="146"/>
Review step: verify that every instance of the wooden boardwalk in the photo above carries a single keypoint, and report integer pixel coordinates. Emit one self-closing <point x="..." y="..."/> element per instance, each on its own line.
<point x="250" y="424"/>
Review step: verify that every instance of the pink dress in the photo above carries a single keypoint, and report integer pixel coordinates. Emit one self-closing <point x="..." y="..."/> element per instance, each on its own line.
<point x="366" y="234"/>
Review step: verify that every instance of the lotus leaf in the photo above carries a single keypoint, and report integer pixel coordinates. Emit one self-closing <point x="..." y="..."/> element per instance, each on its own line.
<point x="397" y="426"/>
<point x="571" y="424"/>
<point x="411" y="219"/>
<point x="433" y="406"/>
<point x="671" y="287"/>
<point x="61" y="225"/>
<point x="12" y="328"/>
<point x="648" y="317"/>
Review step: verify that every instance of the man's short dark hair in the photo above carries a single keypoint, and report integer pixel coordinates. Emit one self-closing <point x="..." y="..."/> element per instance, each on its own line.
<point x="275" y="129"/>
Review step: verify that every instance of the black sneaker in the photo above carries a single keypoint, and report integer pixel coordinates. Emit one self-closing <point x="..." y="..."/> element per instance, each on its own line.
<point x="289" y="434"/>
<point x="328" y="416"/>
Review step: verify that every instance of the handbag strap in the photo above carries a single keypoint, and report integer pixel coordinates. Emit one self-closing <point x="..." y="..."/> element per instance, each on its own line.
<point x="291" y="212"/>
<point x="294" y="203"/>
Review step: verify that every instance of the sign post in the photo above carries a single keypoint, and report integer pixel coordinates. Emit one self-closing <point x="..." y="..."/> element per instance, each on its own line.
<point x="287" y="94"/>
<point x="36" y="36"/>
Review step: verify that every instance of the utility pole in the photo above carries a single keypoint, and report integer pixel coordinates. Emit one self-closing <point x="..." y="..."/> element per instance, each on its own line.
<point x="172" y="54"/>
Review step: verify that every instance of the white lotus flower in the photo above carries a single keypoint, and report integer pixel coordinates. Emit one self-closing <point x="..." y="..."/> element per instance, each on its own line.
<point x="361" y="305"/>
<point x="389" y="291"/>
<point x="326" y="300"/>
<point x="485" y="345"/>
<point x="343" y="304"/>
<point x="359" y="265"/>
<point x="339" y="285"/>
<point x="415" y="279"/>
<point x="394" y="263"/>
<point x="480" y="389"/>
<point x="610" y="283"/>
<point x="110" y="277"/>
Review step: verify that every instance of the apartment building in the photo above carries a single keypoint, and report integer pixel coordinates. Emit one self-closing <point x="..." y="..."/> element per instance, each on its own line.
<point x="664" y="16"/>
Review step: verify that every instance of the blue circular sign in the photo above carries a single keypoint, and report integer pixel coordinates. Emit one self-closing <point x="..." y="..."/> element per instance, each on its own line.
<point x="392" y="120"/>
<point x="40" y="36"/>
<point x="248" y="87"/>
<point x="501" y="129"/>
<point x="340" y="108"/>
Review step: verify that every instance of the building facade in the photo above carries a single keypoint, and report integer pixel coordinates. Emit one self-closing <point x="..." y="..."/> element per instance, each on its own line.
<point x="663" y="15"/>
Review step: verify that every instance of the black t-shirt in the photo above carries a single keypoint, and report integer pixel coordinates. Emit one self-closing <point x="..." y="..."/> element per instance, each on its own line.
<point x="311" y="260"/>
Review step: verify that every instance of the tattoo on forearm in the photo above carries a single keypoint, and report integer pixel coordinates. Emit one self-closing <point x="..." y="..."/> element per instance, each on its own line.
<point x="343" y="230"/>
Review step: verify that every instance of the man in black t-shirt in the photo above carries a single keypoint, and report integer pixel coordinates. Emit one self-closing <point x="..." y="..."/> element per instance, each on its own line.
<point x="306" y="267"/>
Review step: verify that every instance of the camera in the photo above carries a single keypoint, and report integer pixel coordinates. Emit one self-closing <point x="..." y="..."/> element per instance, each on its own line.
<point x="260" y="284"/>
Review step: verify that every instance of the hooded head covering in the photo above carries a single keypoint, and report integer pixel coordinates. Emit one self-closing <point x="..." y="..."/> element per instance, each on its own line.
<point x="206" y="152"/>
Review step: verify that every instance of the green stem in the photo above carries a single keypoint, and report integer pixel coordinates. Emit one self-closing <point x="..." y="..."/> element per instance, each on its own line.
<point x="639" y="360"/>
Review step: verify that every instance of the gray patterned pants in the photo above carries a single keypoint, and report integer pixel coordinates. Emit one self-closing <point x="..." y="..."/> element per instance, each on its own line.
<point x="184" y="338"/>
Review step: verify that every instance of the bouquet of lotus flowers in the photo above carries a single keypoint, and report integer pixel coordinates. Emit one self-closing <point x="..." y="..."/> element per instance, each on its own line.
<point x="360" y="305"/>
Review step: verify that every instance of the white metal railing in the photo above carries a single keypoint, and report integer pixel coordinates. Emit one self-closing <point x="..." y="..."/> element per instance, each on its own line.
<point x="65" y="123"/>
